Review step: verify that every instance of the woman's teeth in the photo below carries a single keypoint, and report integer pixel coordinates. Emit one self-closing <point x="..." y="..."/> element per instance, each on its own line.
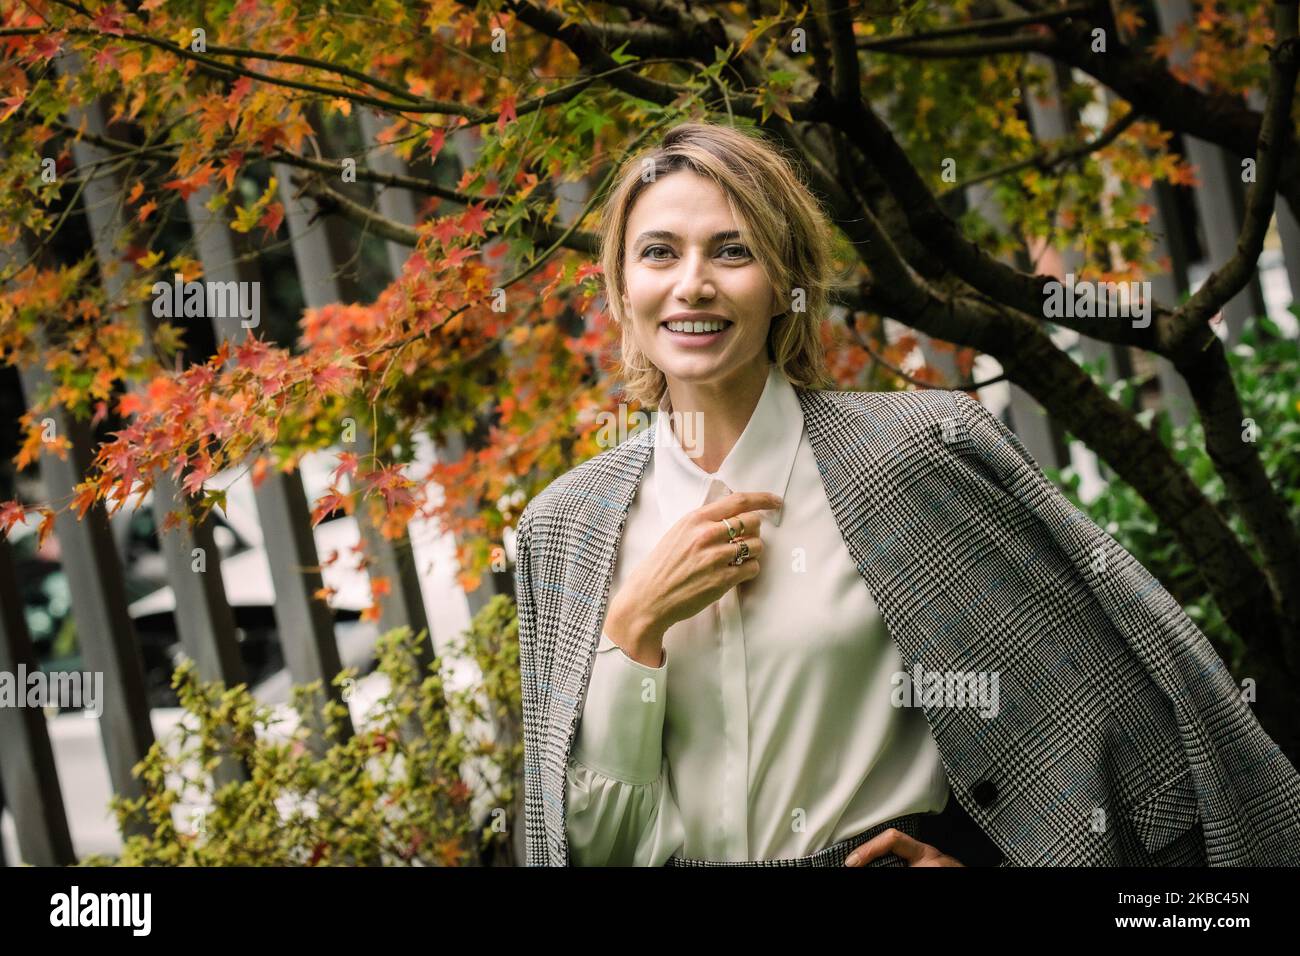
<point x="686" y="326"/>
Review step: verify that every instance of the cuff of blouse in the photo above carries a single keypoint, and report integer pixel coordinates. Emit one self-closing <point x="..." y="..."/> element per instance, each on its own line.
<point x="621" y="734"/>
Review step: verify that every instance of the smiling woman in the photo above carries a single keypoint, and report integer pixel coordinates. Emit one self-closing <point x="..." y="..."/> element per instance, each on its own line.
<point x="821" y="543"/>
<point x="777" y="743"/>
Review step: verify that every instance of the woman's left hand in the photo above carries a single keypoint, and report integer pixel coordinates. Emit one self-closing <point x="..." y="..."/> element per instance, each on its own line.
<point x="900" y="844"/>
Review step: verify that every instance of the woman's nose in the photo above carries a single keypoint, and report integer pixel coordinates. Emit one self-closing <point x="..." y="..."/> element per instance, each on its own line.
<point x="696" y="280"/>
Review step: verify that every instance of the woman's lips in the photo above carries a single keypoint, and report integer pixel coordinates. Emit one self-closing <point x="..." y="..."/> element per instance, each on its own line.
<point x="694" y="339"/>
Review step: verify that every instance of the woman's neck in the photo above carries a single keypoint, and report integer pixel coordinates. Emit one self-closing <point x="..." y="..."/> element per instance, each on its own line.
<point x="723" y="410"/>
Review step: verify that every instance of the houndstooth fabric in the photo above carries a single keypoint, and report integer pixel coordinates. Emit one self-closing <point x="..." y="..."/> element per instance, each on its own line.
<point x="833" y="855"/>
<point x="1121" y="738"/>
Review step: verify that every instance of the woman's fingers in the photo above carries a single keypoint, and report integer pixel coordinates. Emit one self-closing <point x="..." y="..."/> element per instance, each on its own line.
<point x="738" y="502"/>
<point x="889" y="841"/>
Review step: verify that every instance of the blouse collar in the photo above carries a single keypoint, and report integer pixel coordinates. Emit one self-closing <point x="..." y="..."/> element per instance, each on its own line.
<point x="761" y="460"/>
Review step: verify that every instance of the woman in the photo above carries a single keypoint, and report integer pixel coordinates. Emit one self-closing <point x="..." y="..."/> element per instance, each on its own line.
<point x="803" y="557"/>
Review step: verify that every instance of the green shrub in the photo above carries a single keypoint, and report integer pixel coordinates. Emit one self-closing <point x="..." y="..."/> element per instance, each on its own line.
<point x="391" y="793"/>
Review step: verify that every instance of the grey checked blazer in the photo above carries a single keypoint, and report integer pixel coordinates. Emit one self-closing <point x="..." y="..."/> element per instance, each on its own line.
<point x="1121" y="738"/>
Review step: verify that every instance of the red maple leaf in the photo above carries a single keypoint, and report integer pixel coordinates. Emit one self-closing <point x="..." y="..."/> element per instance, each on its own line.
<point x="332" y="378"/>
<point x="47" y="46"/>
<point x="393" y="485"/>
<point x="436" y="140"/>
<point x="193" y="182"/>
<point x="472" y="220"/>
<point x="201" y="472"/>
<point x="272" y="218"/>
<point x="328" y="503"/>
<point x="11" y="512"/>
<point x="238" y="90"/>
<point x="11" y="104"/>
<point x="106" y="60"/>
<point x="347" y="466"/>
<point x="109" y="20"/>
<point x="508" y="114"/>
<point x="84" y="498"/>
<point x="455" y="257"/>
<point x="445" y="230"/>
<point x="230" y="168"/>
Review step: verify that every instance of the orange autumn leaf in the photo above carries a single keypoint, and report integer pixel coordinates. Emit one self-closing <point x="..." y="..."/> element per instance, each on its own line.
<point x="46" y="527"/>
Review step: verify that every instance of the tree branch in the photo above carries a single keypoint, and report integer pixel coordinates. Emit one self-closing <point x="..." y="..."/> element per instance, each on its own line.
<point x="837" y="23"/>
<point x="330" y="200"/>
<point x="978" y="26"/>
<point x="990" y="47"/>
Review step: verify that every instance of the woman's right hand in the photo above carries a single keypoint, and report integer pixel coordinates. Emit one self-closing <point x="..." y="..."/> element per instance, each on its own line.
<point x="687" y="570"/>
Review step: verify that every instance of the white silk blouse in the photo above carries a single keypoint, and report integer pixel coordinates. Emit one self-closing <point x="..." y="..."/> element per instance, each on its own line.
<point x="775" y="735"/>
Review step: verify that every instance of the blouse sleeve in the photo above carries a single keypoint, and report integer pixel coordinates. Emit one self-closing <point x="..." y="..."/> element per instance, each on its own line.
<point x="621" y="810"/>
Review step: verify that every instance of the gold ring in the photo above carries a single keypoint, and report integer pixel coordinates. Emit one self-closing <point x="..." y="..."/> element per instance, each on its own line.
<point x="743" y="553"/>
<point x="732" y="532"/>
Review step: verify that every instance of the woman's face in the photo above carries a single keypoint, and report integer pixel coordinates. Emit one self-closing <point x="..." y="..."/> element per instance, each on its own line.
<point x="686" y="260"/>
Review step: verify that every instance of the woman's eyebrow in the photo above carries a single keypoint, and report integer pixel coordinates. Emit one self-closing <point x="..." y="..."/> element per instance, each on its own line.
<point x="668" y="235"/>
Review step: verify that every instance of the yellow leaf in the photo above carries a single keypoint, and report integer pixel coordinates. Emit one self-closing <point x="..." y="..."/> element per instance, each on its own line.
<point x="151" y="260"/>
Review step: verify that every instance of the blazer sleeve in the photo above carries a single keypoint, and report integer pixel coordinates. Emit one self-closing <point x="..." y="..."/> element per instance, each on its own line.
<point x="621" y="810"/>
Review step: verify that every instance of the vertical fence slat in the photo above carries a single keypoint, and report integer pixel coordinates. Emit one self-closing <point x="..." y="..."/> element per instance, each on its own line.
<point x="28" y="776"/>
<point x="104" y="632"/>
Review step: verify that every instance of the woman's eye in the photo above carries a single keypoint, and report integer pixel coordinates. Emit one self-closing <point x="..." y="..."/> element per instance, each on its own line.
<point x="741" y="251"/>
<point x="648" y="250"/>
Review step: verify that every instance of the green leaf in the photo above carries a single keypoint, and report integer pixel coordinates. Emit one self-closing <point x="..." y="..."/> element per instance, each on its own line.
<point x="618" y="56"/>
<point x="214" y="497"/>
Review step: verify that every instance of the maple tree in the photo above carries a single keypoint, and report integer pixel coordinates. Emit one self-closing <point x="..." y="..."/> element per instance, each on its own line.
<point x="558" y="91"/>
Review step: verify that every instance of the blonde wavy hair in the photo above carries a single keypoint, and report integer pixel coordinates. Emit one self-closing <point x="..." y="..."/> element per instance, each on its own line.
<point x="779" y="219"/>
